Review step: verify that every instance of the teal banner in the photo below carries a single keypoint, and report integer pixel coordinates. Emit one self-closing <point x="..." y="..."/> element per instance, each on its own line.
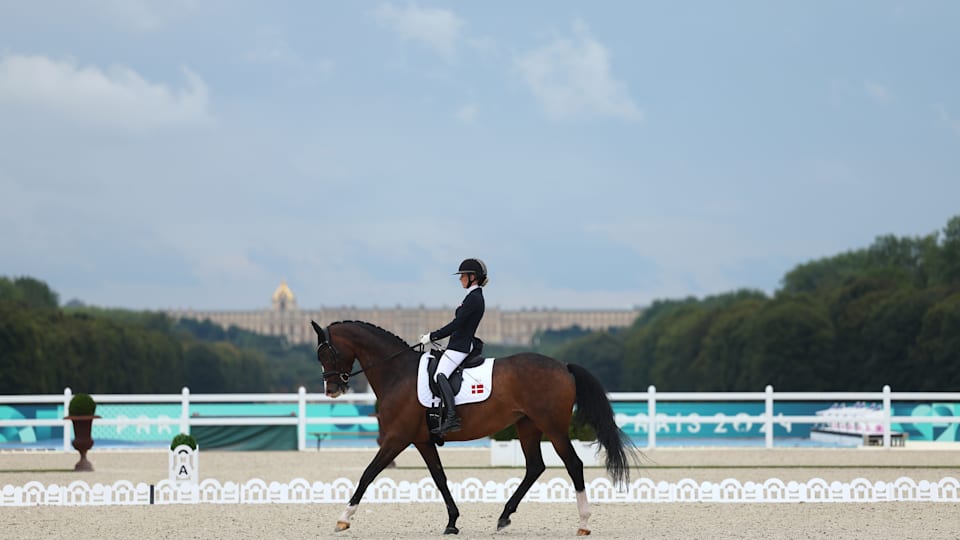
<point x="694" y="421"/>
<point x="245" y="437"/>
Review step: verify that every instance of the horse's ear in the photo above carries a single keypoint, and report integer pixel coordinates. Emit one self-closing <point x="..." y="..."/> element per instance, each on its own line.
<point x="318" y="330"/>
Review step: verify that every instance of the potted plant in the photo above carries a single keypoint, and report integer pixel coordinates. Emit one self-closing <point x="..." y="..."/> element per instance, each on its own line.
<point x="183" y="439"/>
<point x="81" y="412"/>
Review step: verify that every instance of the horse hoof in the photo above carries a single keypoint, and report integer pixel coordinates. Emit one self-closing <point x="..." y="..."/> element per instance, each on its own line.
<point x="583" y="532"/>
<point x="451" y="530"/>
<point x="341" y="526"/>
<point x="502" y="524"/>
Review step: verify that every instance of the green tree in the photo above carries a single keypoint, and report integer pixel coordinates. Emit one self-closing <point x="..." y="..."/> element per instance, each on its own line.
<point x="29" y="292"/>
<point x="850" y="306"/>
<point x="202" y="366"/>
<point x="640" y="342"/>
<point x="791" y="343"/>
<point x="823" y="274"/>
<point x="946" y="262"/>
<point x="936" y="360"/>
<point x="601" y="353"/>
<point x="889" y="336"/>
<point x="720" y="364"/>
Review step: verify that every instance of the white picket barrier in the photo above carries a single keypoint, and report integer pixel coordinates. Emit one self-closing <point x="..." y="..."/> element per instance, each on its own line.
<point x="386" y="490"/>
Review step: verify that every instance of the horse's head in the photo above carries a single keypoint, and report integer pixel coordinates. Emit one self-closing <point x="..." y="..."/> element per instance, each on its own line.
<point x="336" y="366"/>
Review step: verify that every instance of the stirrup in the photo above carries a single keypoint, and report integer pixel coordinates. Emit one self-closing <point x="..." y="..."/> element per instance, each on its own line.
<point x="450" y="425"/>
<point x="447" y="425"/>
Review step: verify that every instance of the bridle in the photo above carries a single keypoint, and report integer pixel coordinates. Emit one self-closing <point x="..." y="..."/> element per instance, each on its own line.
<point x="328" y="343"/>
<point x="344" y="376"/>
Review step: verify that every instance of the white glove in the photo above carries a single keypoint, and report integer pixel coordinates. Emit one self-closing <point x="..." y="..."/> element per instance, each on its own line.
<point x="425" y="339"/>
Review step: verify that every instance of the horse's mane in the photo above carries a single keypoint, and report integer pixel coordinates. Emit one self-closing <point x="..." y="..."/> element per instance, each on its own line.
<point x="375" y="327"/>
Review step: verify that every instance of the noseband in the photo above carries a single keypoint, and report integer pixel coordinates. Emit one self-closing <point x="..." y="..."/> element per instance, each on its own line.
<point x="343" y="375"/>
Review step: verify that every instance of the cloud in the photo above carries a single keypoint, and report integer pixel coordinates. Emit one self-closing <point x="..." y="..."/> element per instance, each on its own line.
<point x="272" y="48"/>
<point x="468" y="113"/>
<point x="571" y="78"/>
<point x="118" y="98"/>
<point x="438" y="29"/>
<point x="878" y="92"/>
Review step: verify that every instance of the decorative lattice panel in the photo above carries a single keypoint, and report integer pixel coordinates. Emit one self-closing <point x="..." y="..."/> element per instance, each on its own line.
<point x="386" y="490"/>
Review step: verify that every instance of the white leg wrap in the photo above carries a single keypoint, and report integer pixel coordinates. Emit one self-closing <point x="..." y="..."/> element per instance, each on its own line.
<point x="348" y="513"/>
<point x="584" y="508"/>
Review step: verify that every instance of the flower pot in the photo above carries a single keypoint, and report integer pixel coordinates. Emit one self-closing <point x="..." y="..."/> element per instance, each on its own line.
<point x="82" y="440"/>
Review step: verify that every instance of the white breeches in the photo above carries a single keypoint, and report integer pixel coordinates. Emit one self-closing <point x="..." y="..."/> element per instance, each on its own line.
<point x="449" y="362"/>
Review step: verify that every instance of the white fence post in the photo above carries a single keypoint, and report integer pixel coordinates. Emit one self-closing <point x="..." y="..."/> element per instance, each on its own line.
<point x="301" y="418"/>
<point x="67" y="426"/>
<point x="886" y="416"/>
<point x="185" y="411"/>
<point x="768" y="416"/>
<point x="652" y="416"/>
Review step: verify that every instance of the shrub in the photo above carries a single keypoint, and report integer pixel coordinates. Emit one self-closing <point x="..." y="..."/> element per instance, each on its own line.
<point x="183" y="438"/>
<point x="581" y="431"/>
<point x="506" y="434"/>
<point x="82" y="405"/>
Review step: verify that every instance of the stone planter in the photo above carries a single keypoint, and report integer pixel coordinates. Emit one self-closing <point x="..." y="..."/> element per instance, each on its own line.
<point x="82" y="439"/>
<point x="510" y="454"/>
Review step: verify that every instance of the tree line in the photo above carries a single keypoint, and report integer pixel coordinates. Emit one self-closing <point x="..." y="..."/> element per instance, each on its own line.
<point x="888" y="314"/>
<point x="885" y="314"/>
<point x="45" y="348"/>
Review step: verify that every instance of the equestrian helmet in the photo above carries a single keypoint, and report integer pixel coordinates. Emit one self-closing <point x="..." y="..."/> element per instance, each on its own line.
<point x="475" y="267"/>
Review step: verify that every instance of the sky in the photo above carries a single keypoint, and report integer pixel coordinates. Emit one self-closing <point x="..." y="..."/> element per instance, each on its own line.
<point x="596" y="155"/>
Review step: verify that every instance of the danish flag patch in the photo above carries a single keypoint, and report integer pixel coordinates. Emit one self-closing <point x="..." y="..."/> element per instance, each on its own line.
<point x="476" y="389"/>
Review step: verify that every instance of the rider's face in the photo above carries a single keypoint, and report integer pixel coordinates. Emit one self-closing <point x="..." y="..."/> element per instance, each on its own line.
<point x="465" y="280"/>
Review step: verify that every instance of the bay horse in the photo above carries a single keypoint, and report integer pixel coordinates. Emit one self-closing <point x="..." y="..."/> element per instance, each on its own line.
<point x="535" y="392"/>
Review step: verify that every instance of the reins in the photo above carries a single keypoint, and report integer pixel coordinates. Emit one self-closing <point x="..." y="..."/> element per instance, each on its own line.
<point x="345" y="376"/>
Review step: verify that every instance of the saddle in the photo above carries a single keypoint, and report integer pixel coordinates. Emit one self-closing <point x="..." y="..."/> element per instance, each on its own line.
<point x="473" y="359"/>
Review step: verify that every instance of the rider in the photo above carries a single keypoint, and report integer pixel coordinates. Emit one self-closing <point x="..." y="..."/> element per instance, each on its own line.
<point x="473" y="276"/>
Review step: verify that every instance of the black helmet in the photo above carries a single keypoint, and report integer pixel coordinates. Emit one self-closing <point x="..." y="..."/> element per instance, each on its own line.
<point x="475" y="267"/>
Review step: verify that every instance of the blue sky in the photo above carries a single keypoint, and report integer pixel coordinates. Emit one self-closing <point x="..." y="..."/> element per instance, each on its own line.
<point x="179" y="153"/>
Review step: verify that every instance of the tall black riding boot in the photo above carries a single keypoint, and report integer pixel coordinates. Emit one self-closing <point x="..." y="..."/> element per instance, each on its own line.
<point x="451" y="421"/>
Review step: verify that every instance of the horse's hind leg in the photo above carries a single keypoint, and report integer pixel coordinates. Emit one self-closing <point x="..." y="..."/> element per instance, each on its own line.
<point x="529" y="435"/>
<point x="432" y="459"/>
<point x="574" y="466"/>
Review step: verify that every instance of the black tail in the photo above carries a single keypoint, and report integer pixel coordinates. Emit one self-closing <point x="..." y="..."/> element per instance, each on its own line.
<point x="594" y="408"/>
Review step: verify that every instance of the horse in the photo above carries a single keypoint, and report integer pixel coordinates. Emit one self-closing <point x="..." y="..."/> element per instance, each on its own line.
<point x="391" y="365"/>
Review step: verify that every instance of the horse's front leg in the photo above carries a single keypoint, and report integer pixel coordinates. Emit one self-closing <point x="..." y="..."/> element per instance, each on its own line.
<point x="389" y="450"/>
<point x="432" y="459"/>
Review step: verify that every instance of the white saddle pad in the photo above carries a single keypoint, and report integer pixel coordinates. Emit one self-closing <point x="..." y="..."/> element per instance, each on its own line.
<point x="476" y="387"/>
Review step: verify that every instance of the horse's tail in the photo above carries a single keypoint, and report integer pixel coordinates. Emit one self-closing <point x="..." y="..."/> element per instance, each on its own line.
<point x="594" y="408"/>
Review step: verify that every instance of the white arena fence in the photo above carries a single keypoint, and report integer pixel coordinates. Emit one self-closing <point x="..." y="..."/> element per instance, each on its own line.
<point x="651" y="422"/>
<point x="386" y="490"/>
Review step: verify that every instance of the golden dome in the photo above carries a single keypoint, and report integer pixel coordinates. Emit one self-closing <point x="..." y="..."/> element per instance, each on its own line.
<point x="283" y="292"/>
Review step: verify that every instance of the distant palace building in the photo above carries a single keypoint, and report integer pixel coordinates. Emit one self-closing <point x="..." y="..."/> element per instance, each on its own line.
<point x="498" y="326"/>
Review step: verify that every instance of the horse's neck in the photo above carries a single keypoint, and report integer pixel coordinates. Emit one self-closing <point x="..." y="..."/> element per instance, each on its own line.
<point x="385" y="364"/>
